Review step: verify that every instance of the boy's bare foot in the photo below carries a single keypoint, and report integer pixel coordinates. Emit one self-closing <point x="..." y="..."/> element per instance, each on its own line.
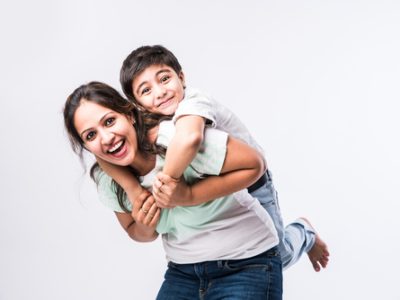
<point x="319" y="254"/>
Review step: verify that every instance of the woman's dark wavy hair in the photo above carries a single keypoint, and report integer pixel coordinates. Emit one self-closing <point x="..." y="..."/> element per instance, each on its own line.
<point x="107" y="96"/>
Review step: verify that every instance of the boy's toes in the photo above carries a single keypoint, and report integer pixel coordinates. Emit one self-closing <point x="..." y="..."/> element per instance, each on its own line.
<point x="316" y="266"/>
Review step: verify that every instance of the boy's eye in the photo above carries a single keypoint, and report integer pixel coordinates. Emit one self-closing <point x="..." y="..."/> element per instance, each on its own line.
<point x="109" y="121"/>
<point x="165" y="78"/>
<point x="145" y="91"/>
<point x="90" y="136"/>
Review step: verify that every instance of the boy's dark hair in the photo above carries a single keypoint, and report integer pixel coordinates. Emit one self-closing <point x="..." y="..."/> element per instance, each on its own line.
<point x="142" y="58"/>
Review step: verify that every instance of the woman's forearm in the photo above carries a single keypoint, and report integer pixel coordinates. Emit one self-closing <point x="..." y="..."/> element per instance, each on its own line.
<point x="137" y="232"/>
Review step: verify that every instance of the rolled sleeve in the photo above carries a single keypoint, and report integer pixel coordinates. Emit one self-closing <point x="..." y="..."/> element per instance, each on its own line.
<point x="107" y="195"/>
<point x="198" y="104"/>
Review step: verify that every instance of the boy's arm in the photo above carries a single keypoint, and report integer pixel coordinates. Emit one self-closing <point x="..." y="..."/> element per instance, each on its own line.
<point x="184" y="145"/>
<point x="243" y="165"/>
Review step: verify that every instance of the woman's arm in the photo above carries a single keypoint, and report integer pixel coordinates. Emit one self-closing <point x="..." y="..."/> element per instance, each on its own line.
<point x="242" y="166"/>
<point x="146" y="213"/>
<point x="123" y="177"/>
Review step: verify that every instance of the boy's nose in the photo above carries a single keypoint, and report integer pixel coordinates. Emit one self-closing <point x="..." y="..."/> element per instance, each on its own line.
<point x="160" y="91"/>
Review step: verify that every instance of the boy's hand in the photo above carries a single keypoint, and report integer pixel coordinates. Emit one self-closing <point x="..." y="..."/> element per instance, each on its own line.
<point x="169" y="192"/>
<point x="145" y="211"/>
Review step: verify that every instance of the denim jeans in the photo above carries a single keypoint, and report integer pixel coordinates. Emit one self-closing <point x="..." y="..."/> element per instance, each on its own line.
<point x="255" y="278"/>
<point x="296" y="238"/>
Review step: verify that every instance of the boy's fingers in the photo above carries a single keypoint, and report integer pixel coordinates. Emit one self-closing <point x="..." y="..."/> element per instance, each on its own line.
<point x="157" y="183"/>
<point x="166" y="178"/>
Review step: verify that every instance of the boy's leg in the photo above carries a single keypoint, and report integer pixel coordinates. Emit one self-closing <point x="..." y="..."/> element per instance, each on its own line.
<point x="299" y="238"/>
<point x="294" y="239"/>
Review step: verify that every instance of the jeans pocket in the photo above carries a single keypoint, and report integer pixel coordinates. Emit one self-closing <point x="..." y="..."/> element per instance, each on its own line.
<point x="247" y="264"/>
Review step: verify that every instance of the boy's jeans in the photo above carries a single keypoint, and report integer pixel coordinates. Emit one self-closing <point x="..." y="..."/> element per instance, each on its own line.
<point x="294" y="239"/>
<point x="255" y="278"/>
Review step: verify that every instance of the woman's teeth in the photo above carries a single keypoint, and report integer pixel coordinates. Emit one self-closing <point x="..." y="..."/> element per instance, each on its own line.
<point x="115" y="147"/>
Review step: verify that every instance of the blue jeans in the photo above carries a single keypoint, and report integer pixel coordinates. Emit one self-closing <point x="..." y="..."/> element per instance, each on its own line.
<point x="296" y="238"/>
<point x="254" y="278"/>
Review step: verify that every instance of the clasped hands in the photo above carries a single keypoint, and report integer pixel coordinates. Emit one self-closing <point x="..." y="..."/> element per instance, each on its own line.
<point x="168" y="192"/>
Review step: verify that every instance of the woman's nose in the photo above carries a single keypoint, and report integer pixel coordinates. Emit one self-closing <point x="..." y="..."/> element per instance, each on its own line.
<point x="107" y="137"/>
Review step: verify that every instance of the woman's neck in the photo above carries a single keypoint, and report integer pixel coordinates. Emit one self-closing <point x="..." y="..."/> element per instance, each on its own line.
<point x="146" y="162"/>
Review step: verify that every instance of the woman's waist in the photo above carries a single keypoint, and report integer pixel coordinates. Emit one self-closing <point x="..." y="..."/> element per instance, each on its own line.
<point x="228" y="239"/>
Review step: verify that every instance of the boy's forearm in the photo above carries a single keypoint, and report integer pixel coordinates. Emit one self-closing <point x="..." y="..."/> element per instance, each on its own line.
<point x="214" y="187"/>
<point x="184" y="145"/>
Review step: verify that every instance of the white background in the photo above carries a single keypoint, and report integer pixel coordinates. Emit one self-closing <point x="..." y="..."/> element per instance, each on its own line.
<point x="317" y="82"/>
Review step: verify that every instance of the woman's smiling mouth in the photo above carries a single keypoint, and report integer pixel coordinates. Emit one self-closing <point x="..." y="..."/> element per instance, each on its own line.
<point x="116" y="148"/>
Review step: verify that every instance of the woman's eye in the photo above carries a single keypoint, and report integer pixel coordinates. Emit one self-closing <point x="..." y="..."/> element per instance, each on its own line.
<point x="109" y="121"/>
<point x="145" y="91"/>
<point x="90" y="135"/>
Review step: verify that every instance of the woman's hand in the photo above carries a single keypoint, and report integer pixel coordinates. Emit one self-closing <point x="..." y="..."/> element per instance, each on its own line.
<point x="145" y="211"/>
<point x="141" y="223"/>
<point x="169" y="192"/>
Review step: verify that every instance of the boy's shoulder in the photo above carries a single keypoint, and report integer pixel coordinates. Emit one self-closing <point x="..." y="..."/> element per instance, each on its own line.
<point x="192" y="93"/>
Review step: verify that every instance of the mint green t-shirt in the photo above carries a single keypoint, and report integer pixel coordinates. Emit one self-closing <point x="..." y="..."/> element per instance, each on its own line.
<point x="230" y="227"/>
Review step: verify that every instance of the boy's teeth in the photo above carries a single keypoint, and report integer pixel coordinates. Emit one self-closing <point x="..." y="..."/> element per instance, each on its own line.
<point x="116" y="146"/>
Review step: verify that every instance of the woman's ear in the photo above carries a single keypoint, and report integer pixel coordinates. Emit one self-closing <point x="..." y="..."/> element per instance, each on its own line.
<point x="131" y="119"/>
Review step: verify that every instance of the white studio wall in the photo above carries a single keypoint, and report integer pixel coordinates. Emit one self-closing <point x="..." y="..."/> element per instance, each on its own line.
<point x="316" y="82"/>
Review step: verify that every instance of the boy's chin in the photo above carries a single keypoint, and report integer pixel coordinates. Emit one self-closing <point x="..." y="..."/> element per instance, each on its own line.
<point x="170" y="110"/>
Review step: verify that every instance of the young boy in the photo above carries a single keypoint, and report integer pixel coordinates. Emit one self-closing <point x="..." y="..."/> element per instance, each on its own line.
<point x="152" y="77"/>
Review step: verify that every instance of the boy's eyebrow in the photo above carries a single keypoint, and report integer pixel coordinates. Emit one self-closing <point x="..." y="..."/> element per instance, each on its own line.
<point x="144" y="82"/>
<point x="101" y="119"/>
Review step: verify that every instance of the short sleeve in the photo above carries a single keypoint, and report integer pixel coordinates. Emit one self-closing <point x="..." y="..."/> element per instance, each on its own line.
<point x="198" y="104"/>
<point x="211" y="155"/>
<point x="106" y="193"/>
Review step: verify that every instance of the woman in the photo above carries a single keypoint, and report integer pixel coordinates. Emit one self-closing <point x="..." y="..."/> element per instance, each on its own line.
<point x="218" y="249"/>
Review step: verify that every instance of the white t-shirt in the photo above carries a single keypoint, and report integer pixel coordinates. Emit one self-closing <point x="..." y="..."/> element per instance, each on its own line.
<point x="231" y="227"/>
<point x="218" y="116"/>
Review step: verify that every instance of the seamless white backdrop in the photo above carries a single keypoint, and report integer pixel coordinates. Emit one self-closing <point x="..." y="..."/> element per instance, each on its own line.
<point x="317" y="82"/>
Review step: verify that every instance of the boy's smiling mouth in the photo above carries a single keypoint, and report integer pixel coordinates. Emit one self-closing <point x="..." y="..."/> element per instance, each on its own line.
<point x="165" y="103"/>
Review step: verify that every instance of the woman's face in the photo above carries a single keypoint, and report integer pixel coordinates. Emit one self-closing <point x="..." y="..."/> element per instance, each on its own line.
<point x="107" y="134"/>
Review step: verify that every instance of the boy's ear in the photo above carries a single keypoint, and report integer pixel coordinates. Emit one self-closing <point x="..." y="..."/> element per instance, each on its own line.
<point x="182" y="78"/>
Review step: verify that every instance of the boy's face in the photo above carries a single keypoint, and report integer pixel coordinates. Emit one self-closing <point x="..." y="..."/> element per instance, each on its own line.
<point x="159" y="89"/>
